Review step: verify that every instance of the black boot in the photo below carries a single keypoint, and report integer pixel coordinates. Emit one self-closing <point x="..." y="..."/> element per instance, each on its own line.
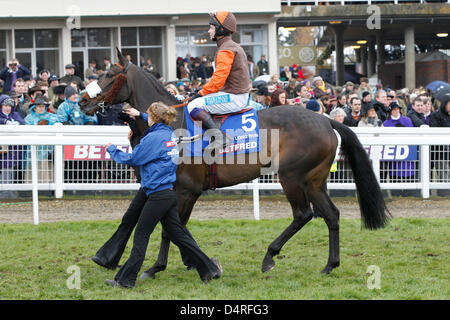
<point x="208" y="124"/>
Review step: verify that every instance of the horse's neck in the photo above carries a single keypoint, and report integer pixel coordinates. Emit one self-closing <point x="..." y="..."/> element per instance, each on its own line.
<point x="146" y="92"/>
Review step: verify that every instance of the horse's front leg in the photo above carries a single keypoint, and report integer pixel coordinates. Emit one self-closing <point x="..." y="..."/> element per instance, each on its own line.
<point x="186" y="201"/>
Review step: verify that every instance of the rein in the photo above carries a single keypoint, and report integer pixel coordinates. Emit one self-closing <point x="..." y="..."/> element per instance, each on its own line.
<point x="183" y="103"/>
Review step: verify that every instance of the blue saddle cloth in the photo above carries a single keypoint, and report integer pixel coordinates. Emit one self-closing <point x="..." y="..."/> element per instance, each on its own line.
<point x="242" y="128"/>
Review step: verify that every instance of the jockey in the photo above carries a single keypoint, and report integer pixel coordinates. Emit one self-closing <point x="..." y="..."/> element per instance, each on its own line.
<point x="229" y="87"/>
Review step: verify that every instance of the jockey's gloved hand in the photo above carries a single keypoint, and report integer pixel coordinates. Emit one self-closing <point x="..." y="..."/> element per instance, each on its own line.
<point x="195" y="96"/>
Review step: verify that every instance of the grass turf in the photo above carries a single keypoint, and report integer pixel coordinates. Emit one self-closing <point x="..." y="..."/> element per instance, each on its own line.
<point x="412" y="256"/>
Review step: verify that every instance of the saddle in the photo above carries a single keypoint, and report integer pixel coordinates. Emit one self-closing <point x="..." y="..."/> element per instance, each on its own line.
<point x="219" y="119"/>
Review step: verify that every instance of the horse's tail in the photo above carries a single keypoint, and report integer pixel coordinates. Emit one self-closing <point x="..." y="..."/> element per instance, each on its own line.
<point x="371" y="201"/>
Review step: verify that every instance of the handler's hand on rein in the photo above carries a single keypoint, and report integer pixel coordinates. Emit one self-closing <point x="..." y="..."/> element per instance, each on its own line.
<point x="108" y="144"/>
<point x="132" y="112"/>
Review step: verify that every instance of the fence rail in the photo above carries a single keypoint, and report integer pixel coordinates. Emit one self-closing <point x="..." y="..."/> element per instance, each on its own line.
<point x="58" y="158"/>
<point x="356" y="2"/>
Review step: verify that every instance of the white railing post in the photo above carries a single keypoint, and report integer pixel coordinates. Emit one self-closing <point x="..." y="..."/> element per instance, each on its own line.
<point x="256" y="198"/>
<point x="58" y="168"/>
<point x="34" y="179"/>
<point x="425" y="170"/>
<point x="58" y="171"/>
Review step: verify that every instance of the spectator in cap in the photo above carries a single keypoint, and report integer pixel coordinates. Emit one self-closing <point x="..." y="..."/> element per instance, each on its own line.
<point x="91" y="70"/>
<point x="53" y="81"/>
<point x="349" y="87"/>
<point x="32" y="92"/>
<point x="8" y="115"/>
<point x="11" y="73"/>
<point x="69" y="112"/>
<point x="263" y="96"/>
<point x="10" y="156"/>
<point x="366" y="102"/>
<point x="313" y="105"/>
<point x="71" y="77"/>
<point x="19" y="108"/>
<point x="321" y="88"/>
<point x="278" y="98"/>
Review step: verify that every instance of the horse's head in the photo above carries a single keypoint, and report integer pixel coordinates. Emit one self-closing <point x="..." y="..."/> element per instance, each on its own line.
<point x="112" y="88"/>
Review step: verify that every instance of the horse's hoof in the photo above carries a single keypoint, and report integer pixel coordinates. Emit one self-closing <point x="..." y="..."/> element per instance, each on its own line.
<point x="329" y="267"/>
<point x="267" y="265"/>
<point x="146" y="275"/>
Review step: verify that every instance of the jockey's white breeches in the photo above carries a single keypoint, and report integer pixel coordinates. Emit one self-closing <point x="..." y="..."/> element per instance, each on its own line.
<point x="220" y="102"/>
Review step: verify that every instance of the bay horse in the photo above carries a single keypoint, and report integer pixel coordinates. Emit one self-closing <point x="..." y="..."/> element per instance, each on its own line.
<point x="304" y="153"/>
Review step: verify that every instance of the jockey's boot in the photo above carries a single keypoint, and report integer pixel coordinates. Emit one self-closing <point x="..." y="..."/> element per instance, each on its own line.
<point x="221" y="139"/>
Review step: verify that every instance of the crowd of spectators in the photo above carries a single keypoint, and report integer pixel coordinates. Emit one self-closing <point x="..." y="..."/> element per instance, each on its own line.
<point x="47" y="99"/>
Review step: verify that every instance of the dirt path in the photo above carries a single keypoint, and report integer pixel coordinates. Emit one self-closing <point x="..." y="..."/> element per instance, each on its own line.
<point x="102" y="209"/>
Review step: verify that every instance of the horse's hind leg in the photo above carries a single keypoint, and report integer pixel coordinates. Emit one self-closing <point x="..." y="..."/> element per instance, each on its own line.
<point x="297" y="196"/>
<point x="330" y="214"/>
<point x="186" y="201"/>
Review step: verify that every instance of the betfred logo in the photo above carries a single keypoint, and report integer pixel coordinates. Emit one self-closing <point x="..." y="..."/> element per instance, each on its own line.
<point x="170" y="144"/>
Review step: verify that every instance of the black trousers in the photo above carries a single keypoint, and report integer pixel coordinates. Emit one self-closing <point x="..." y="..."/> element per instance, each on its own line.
<point x="145" y="213"/>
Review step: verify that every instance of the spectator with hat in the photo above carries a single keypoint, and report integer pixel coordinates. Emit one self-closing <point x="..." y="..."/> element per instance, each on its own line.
<point x="71" y="77"/>
<point x="395" y="118"/>
<point x="53" y="81"/>
<point x="11" y="73"/>
<point x="370" y="118"/>
<point x="32" y="92"/>
<point x="19" y="105"/>
<point x="263" y="96"/>
<point x="366" y="102"/>
<point x="10" y="156"/>
<point x="8" y="115"/>
<point x="349" y="87"/>
<point x="58" y="97"/>
<point x="91" y="70"/>
<point x="321" y="88"/>
<point x="69" y="112"/>
<point x="314" y="106"/>
<point x="39" y="113"/>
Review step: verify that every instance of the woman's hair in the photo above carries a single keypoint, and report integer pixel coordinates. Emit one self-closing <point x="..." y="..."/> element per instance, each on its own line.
<point x="275" y="97"/>
<point x="172" y="86"/>
<point x="337" y="111"/>
<point x="161" y="113"/>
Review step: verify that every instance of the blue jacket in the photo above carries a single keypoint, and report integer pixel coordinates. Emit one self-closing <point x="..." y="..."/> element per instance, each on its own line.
<point x="69" y="111"/>
<point x="156" y="155"/>
<point x="33" y="118"/>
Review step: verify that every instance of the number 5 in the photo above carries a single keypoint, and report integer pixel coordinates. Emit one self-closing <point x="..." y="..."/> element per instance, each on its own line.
<point x="252" y="122"/>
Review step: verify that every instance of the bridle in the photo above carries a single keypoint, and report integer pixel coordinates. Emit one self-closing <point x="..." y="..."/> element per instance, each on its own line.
<point x="117" y="84"/>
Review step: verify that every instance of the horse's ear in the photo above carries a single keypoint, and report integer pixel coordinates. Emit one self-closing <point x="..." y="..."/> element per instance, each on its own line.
<point x="123" y="61"/>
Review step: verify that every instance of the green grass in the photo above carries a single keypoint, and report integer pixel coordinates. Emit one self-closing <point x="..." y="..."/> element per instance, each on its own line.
<point x="412" y="254"/>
